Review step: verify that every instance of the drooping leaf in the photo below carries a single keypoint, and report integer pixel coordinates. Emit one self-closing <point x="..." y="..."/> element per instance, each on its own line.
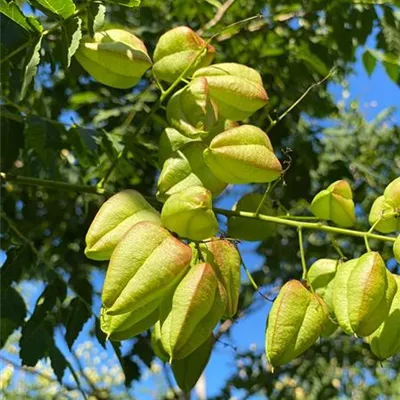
<point x="36" y="341"/>
<point x="393" y="71"/>
<point x="72" y="34"/>
<point x="96" y="17"/>
<point x="13" y="312"/>
<point x="83" y="144"/>
<point x="61" y="8"/>
<point x="31" y="66"/>
<point x="78" y="315"/>
<point x="19" y="260"/>
<point x="58" y="362"/>
<point x="369" y="62"/>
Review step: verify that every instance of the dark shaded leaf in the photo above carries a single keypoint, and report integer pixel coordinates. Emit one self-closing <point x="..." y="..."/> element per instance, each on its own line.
<point x="83" y="144"/>
<point x="58" y="362"/>
<point x="19" y="260"/>
<point x="12" y="140"/>
<point x="13" y="312"/>
<point x="78" y="316"/>
<point x="100" y="335"/>
<point x="369" y="62"/>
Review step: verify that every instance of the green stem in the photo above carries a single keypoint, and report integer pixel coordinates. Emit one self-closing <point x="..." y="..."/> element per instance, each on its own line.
<point x="24" y="180"/>
<point x="303" y="224"/>
<point x="268" y="190"/>
<point x="302" y="255"/>
<point x="319" y="226"/>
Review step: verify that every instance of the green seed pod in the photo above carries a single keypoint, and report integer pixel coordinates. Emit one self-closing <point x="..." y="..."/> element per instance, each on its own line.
<point x="363" y="290"/>
<point x="188" y="370"/>
<point x="189" y="214"/>
<point x="320" y="276"/>
<point x="236" y="89"/>
<point x="114" y="219"/>
<point x="144" y="266"/>
<point x="198" y="303"/>
<point x="336" y="204"/>
<point x="191" y="111"/>
<point x="382" y="210"/>
<point x="115" y="58"/>
<point x="176" y="50"/>
<point x="187" y="168"/>
<point x="249" y="229"/>
<point x="171" y="140"/>
<point x="396" y="249"/>
<point x="385" y="341"/>
<point x="223" y="256"/>
<point x="296" y="320"/>
<point x="386" y="209"/>
<point x="243" y="155"/>
<point x="156" y="343"/>
<point x="125" y="326"/>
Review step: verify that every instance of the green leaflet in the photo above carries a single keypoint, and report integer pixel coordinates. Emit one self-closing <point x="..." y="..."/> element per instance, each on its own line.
<point x="191" y="111"/>
<point x="363" y="291"/>
<point x="187" y="168"/>
<point x="144" y="266"/>
<point x="385" y="208"/>
<point x="320" y="276"/>
<point x="195" y="308"/>
<point x="242" y="155"/>
<point x="385" y="341"/>
<point x="296" y="320"/>
<point x="336" y="204"/>
<point x="175" y="50"/>
<point x="236" y="89"/>
<point x="188" y="370"/>
<point x="189" y="214"/>
<point x="115" y="58"/>
<point x="156" y="343"/>
<point x="115" y="217"/>
<point x="223" y="256"/>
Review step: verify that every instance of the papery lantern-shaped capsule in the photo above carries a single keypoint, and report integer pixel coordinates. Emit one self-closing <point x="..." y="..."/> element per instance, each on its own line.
<point x="320" y="276"/>
<point x="396" y="249"/>
<point x="176" y="50"/>
<point x="191" y="110"/>
<point x="115" y="58"/>
<point x="253" y="229"/>
<point x="385" y="341"/>
<point x="295" y="322"/>
<point x="187" y="168"/>
<point x="144" y="266"/>
<point x="114" y="219"/>
<point x="125" y="326"/>
<point x="225" y="259"/>
<point x="236" y="89"/>
<point x="336" y="204"/>
<point x="385" y="210"/>
<point x="188" y="370"/>
<point x="243" y="155"/>
<point x="363" y="290"/>
<point x="196" y="306"/>
<point x="189" y="214"/>
<point x="156" y="343"/>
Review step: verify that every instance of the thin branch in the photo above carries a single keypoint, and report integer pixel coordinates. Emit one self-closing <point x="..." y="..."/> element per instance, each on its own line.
<point x="38" y="373"/>
<point x="217" y="17"/>
<point x="302" y="255"/>
<point x="300" y="99"/>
